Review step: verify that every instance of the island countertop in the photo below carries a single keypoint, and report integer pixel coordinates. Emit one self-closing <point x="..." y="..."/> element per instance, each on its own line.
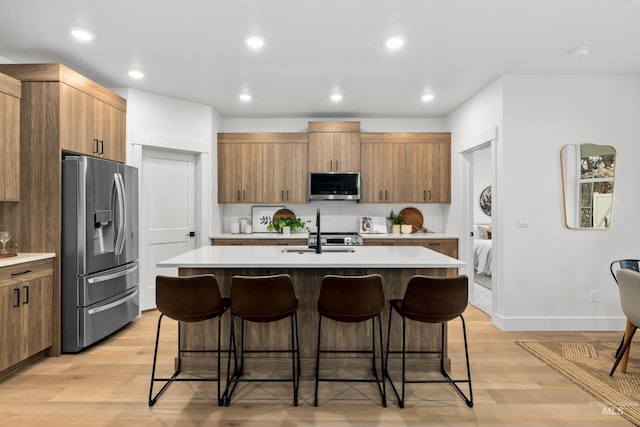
<point x="300" y="257"/>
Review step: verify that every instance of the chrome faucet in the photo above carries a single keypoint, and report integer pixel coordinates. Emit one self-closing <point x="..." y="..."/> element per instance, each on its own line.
<point x="318" y="235"/>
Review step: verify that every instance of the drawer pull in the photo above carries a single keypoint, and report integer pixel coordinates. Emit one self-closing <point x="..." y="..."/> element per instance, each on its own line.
<point x="21" y="273"/>
<point x="434" y="244"/>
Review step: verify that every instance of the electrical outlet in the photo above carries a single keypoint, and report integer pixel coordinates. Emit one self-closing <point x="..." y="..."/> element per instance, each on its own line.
<point x="595" y="296"/>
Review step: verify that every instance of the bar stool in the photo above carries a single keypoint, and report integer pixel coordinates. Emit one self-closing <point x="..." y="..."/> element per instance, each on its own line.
<point x="352" y="299"/>
<point x="431" y="300"/>
<point x="262" y="299"/>
<point x="187" y="299"/>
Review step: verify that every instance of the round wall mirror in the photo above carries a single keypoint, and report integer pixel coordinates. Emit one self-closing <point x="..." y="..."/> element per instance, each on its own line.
<point x="485" y="201"/>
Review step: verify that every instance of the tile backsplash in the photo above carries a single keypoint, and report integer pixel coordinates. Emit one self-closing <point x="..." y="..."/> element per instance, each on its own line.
<point x="340" y="216"/>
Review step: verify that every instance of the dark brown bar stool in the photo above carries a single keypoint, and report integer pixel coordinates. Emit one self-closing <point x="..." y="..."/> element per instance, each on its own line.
<point x="352" y="299"/>
<point x="187" y="299"/>
<point x="431" y="300"/>
<point x="262" y="299"/>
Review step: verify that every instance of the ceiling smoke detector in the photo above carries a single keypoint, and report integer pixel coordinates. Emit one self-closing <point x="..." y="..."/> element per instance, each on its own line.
<point x="579" y="51"/>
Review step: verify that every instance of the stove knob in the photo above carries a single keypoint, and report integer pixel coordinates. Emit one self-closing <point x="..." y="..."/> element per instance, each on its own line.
<point x="347" y="241"/>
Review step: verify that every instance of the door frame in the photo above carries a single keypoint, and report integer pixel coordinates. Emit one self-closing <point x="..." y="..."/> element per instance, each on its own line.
<point x="481" y="140"/>
<point x="140" y="141"/>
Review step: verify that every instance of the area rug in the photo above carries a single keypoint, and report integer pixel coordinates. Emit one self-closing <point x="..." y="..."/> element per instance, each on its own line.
<point x="587" y="364"/>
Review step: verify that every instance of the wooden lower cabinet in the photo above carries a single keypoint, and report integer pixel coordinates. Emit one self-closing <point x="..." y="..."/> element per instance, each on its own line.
<point x="448" y="247"/>
<point x="26" y="311"/>
<point x="253" y="241"/>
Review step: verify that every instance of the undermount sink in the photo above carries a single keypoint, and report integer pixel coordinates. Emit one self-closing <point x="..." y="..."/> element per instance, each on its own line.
<point x="308" y="250"/>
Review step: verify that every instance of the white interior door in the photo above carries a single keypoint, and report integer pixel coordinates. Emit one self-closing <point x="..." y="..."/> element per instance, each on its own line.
<point x="167" y="215"/>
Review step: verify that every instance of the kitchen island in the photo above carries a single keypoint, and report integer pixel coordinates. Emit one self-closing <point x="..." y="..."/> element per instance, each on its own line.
<point x="396" y="265"/>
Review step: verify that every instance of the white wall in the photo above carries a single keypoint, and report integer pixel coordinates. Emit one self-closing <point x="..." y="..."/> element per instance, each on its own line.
<point x="546" y="271"/>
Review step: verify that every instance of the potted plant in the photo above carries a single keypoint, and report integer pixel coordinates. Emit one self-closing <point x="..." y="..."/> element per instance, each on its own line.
<point x="396" y="221"/>
<point x="293" y="224"/>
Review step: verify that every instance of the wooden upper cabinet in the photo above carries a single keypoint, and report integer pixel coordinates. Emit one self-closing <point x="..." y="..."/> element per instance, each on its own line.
<point x="240" y="173"/>
<point x="91" y="119"/>
<point x="430" y="164"/>
<point x="90" y="126"/>
<point x="9" y="138"/>
<point x="285" y="172"/>
<point x="383" y="172"/>
<point x="425" y="164"/>
<point x="262" y="167"/>
<point x="334" y="147"/>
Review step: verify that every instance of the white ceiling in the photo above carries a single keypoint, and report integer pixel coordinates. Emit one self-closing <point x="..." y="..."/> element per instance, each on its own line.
<point x="194" y="49"/>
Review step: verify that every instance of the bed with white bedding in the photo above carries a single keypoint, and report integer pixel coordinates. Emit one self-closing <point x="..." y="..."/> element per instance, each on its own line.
<point x="482" y="258"/>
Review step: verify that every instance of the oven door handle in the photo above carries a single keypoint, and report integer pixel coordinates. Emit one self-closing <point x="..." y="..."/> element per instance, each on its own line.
<point x="113" y="304"/>
<point x="112" y="275"/>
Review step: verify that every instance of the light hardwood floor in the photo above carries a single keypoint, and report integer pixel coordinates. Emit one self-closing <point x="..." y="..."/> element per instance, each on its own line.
<point x="107" y="385"/>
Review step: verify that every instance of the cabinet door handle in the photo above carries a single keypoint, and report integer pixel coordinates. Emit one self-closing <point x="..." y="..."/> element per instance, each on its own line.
<point x="380" y="197"/>
<point x="282" y="195"/>
<point x="386" y="196"/>
<point x="287" y="195"/>
<point x="17" y="293"/>
<point x="337" y="168"/>
<point x="424" y="195"/>
<point x="101" y="147"/>
<point x="26" y="295"/>
<point x="244" y="195"/>
<point x="238" y="195"/>
<point x="21" y="273"/>
<point x="331" y="165"/>
<point x="429" y="194"/>
<point x="95" y="146"/>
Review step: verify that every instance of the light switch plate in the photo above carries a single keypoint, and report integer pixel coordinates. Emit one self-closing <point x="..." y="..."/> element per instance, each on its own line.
<point x="522" y="221"/>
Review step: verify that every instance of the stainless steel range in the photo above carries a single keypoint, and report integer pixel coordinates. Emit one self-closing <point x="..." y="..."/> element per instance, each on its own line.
<point x="336" y="239"/>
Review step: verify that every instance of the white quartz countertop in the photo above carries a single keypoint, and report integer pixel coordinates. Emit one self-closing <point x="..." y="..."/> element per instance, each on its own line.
<point x="276" y="236"/>
<point x="24" y="257"/>
<point x="275" y="257"/>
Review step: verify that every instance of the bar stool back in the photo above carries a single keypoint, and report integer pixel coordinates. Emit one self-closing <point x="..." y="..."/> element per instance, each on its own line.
<point x="352" y="299"/>
<point x="263" y="299"/>
<point x="187" y="299"/>
<point x="431" y="300"/>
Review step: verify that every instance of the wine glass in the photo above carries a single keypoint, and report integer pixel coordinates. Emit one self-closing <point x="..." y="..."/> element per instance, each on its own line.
<point x="5" y="236"/>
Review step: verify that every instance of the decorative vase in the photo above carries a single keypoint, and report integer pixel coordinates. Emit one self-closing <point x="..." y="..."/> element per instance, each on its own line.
<point x="395" y="229"/>
<point x="286" y="230"/>
<point x="406" y="228"/>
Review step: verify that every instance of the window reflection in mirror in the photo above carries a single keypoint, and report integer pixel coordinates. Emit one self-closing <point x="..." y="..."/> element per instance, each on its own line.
<point x="588" y="172"/>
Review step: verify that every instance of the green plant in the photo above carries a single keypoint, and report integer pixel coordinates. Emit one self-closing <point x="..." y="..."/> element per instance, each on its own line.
<point x="395" y="219"/>
<point x="292" y="223"/>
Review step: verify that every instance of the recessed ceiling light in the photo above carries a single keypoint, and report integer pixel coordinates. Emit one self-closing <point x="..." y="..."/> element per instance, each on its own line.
<point x="394" y="43"/>
<point x="428" y="97"/>
<point x="245" y="97"/>
<point x="336" y="97"/>
<point x="135" y="74"/>
<point x="82" y="35"/>
<point x="579" y="51"/>
<point x="255" y="42"/>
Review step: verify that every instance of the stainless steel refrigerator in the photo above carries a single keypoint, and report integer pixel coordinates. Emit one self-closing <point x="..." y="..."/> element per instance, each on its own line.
<point x="99" y="263"/>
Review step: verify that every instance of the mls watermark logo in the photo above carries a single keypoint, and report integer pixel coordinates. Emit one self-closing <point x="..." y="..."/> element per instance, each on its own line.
<point x="610" y="410"/>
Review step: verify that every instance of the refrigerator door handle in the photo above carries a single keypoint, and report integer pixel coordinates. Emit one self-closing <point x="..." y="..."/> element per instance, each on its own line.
<point x="112" y="276"/>
<point x="121" y="201"/>
<point x="113" y="304"/>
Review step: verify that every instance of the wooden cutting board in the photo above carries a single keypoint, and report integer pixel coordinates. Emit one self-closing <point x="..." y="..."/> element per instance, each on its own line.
<point x="414" y="217"/>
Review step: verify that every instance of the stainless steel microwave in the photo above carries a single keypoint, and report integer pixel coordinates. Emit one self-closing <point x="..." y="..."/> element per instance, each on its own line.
<point x="334" y="186"/>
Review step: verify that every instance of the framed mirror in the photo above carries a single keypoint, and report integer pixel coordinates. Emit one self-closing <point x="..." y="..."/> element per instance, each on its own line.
<point x="588" y="172"/>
